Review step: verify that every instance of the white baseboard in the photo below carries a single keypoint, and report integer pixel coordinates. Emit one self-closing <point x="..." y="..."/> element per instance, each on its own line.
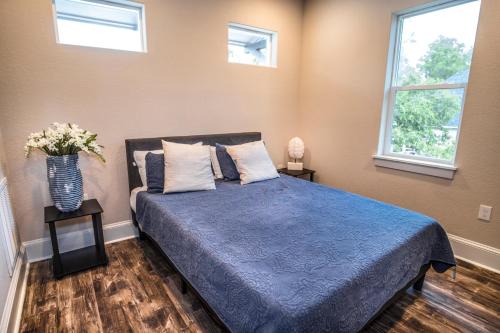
<point x="476" y="253"/>
<point x="41" y="249"/>
<point x="13" y="308"/>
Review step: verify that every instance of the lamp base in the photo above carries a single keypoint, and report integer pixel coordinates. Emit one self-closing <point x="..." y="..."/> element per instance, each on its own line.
<point x="295" y="166"/>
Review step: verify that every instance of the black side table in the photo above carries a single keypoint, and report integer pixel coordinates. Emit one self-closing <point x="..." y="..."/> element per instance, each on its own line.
<point x="84" y="258"/>
<point x="298" y="173"/>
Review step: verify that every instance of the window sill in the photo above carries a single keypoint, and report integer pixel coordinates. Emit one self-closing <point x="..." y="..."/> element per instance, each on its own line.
<point x="420" y="167"/>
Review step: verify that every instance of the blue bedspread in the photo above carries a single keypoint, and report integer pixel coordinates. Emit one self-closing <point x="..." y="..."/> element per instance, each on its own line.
<point x="287" y="255"/>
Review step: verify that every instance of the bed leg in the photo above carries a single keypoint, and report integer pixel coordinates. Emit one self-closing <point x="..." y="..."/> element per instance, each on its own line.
<point x="183" y="286"/>
<point x="142" y="235"/>
<point x="419" y="283"/>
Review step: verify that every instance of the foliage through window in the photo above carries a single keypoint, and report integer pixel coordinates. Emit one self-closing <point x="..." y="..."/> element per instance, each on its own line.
<point x="251" y="46"/>
<point x="432" y="56"/>
<point x="111" y="24"/>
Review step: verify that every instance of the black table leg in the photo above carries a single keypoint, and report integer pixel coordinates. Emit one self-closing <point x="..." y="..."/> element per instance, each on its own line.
<point x="56" y="256"/>
<point x="311" y="176"/>
<point x="98" y="236"/>
<point x="419" y="283"/>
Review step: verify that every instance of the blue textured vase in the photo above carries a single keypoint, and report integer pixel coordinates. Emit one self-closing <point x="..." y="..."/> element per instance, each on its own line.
<point x="65" y="182"/>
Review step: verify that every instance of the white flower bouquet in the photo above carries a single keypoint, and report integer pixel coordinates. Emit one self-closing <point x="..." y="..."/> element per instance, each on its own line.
<point x="62" y="143"/>
<point x="63" y="139"/>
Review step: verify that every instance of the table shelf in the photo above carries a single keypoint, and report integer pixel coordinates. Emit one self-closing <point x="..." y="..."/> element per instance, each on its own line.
<point x="80" y="260"/>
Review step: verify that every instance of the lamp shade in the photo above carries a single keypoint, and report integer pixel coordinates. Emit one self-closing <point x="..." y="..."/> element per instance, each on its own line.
<point x="296" y="148"/>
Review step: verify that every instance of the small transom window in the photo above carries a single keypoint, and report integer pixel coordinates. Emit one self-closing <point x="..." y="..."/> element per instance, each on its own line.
<point x="251" y="46"/>
<point x="111" y="24"/>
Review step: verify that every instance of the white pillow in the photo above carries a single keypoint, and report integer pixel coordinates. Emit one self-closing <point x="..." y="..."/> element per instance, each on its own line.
<point x="140" y="162"/>
<point x="253" y="162"/>
<point x="215" y="163"/>
<point x="187" y="168"/>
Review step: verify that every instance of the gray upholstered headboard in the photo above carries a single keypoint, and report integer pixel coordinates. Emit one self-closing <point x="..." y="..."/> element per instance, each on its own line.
<point x="132" y="145"/>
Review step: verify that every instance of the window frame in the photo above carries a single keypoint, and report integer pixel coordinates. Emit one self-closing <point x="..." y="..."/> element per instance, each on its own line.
<point x="273" y="41"/>
<point x="113" y="3"/>
<point x="384" y="152"/>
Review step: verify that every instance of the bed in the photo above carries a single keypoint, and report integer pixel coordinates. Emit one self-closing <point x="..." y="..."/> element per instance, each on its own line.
<point x="287" y="255"/>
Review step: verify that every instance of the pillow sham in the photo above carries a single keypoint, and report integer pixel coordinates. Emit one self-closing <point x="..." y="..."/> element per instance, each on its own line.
<point x="227" y="166"/>
<point x="155" y="172"/>
<point x="187" y="168"/>
<point x="215" y="163"/>
<point x="253" y="162"/>
<point x="140" y="161"/>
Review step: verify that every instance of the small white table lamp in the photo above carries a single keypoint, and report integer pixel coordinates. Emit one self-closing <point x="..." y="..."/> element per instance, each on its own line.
<point x="295" y="151"/>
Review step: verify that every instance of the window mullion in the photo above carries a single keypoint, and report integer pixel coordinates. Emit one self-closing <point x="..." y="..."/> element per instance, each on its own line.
<point x="432" y="86"/>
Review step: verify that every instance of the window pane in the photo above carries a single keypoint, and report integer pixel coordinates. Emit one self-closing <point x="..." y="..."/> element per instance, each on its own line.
<point x="86" y="34"/>
<point x="244" y="55"/>
<point x="103" y="24"/>
<point x="436" y="47"/>
<point x="425" y="122"/>
<point x="247" y="46"/>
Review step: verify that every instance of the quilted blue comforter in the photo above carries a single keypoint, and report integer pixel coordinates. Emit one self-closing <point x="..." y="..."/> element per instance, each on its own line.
<point x="287" y="255"/>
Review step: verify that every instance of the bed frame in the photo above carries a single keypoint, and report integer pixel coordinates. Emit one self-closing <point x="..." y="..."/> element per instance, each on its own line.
<point x="134" y="181"/>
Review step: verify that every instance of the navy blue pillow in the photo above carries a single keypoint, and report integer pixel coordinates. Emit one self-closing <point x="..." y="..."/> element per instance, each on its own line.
<point x="155" y="172"/>
<point x="226" y="163"/>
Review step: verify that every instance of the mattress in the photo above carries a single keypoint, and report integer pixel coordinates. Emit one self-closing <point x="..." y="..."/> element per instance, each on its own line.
<point x="287" y="255"/>
<point x="133" y="196"/>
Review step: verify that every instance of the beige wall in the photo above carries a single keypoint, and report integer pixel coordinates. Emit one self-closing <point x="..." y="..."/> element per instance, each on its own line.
<point x="344" y="55"/>
<point x="182" y="86"/>
<point x="2" y="158"/>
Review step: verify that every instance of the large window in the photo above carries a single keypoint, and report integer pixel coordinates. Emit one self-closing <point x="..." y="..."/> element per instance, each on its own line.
<point x="113" y="24"/>
<point x="427" y="80"/>
<point x="251" y="46"/>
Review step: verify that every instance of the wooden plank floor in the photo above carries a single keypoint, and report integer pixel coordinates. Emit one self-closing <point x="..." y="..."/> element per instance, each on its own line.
<point x="139" y="292"/>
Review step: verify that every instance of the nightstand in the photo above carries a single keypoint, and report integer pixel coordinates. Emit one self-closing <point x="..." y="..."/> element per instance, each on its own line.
<point x="298" y="173"/>
<point x="84" y="258"/>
